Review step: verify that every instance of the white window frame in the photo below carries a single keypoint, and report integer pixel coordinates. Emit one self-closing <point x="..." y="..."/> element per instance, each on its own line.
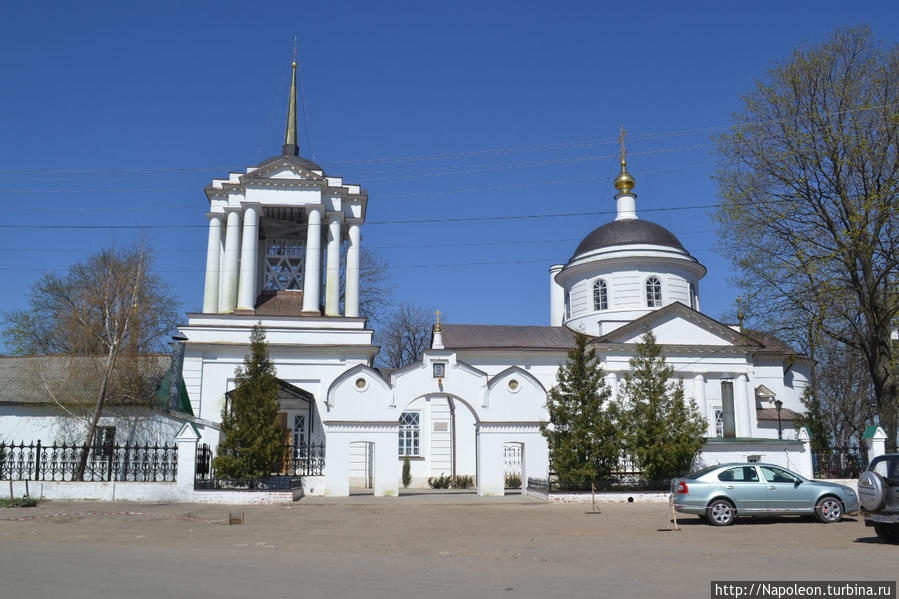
<point x="600" y="295"/>
<point x="409" y="435"/>
<point x="718" y="422"/>
<point x="656" y="299"/>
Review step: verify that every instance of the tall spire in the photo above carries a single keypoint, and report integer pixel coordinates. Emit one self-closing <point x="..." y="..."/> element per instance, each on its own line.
<point x="290" y="147"/>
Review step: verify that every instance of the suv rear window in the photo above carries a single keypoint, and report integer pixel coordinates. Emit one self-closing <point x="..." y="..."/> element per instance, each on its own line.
<point x="886" y="466"/>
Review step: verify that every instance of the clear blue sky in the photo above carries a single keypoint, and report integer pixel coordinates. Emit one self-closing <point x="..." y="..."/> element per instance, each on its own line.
<point x="103" y="105"/>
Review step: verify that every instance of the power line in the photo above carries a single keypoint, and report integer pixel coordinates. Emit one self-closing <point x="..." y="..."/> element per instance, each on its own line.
<point x="379" y="222"/>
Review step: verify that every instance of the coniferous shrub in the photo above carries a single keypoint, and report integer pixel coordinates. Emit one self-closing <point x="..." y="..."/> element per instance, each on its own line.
<point x="251" y="444"/>
<point x="663" y="430"/>
<point x="407" y="472"/>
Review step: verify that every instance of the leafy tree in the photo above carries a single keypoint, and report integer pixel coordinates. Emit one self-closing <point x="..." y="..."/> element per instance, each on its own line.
<point x="809" y="175"/>
<point x="663" y="431"/>
<point x="111" y="307"/>
<point x="251" y="442"/>
<point x="584" y="442"/>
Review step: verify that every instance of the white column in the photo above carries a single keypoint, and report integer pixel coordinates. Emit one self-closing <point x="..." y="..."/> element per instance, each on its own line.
<point x="332" y="274"/>
<point x="742" y="407"/>
<point x="312" y="273"/>
<point x="228" y="295"/>
<point x="351" y="301"/>
<point x="699" y="396"/>
<point x="556" y="297"/>
<point x="246" y="294"/>
<point x="612" y="380"/>
<point x="213" y="264"/>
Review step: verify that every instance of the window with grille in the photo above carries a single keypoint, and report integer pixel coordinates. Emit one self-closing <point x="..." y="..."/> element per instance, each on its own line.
<point x="600" y="295"/>
<point x="653" y="292"/>
<point x="104" y="441"/>
<point x="719" y="422"/>
<point x="410" y="434"/>
<point x="299" y="430"/>
<point x="284" y="260"/>
<point x="567" y="305"/>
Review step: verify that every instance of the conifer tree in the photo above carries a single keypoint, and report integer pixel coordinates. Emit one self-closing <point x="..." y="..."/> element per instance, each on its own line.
<point x="663" y="432"/>
<point x="583" y="437"/>
<point x="251" y="438"/>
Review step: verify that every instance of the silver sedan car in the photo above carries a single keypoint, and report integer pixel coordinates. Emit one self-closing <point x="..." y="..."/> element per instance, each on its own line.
<point x="721" y="493"/>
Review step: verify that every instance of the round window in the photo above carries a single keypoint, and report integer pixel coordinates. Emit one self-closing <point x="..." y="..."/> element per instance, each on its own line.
<point x="513" y="385"/>
<point x="360" y="383"/>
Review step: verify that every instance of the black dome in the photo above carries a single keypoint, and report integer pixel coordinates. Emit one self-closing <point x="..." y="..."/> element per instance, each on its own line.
<point x="627" y="231"/>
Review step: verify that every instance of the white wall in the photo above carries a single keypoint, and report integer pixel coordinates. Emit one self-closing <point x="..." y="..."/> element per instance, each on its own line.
<point x="48" y="424"/>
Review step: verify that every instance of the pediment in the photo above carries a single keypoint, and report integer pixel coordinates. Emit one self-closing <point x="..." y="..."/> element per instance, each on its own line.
<point x="677" y="324"/>
<point x="284" y="168"/>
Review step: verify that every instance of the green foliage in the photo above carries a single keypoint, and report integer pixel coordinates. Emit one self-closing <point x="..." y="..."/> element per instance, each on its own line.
<point x="663" y="431"/>
<point x="251" y="443"/>
<point x="814" y="420"/>
<point x="440" y="482"/>
<point x="463" y="481"/>
<point x="407" y="472"/>
<point x="513" y="481"/>
<point x="583" y="437"/>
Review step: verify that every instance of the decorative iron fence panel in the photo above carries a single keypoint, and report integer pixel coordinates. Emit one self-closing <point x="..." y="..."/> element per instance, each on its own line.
<point x="840" y="462"/>
<point x="59" y="462"/>
<point x="295" y="461"/>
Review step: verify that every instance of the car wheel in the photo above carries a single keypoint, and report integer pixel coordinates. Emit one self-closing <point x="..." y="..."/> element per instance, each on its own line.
<point x="887" y="532"/>
<point x="721" y="512"/>
<point x="829" y="509"/>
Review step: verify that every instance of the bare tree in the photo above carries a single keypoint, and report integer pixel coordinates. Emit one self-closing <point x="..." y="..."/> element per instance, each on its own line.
<point x="403" y="336"/>
<point x="374" y="285"/>
<point x="109" y="305"/>
<point x="809" y="175"/>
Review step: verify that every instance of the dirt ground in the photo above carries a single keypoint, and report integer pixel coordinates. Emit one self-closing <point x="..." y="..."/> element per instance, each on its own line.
<point x="479" y="547"/>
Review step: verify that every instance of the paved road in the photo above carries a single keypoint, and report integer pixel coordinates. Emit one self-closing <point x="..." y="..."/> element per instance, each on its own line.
<point x="409" y="550"/>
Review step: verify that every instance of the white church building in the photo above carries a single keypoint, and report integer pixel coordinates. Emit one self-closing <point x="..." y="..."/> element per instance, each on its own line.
<point x="283" y="250"/>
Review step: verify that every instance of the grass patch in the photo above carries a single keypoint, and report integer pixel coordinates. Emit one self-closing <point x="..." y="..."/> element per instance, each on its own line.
<point x="21" y="502"/>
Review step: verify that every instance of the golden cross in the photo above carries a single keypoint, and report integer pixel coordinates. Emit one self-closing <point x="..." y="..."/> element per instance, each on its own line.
<point x="621" y="135"/>
<point x="438" y="316"/>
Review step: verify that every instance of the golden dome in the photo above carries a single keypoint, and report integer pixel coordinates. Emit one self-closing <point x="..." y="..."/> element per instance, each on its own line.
<point x="624" y="182"/>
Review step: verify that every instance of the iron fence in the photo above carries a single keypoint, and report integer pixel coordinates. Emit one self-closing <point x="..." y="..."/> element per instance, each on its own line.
<point x="295" y="461"/>
<point x="840" y="462"/>
<point x="623" y="485"/>
<point x="59" y="462"/>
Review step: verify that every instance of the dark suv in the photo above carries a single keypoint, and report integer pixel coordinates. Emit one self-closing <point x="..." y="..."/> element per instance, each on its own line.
<point x="878" y="496"/>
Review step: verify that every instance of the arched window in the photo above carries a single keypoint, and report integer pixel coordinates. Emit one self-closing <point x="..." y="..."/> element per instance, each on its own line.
<point x="693" y="302"/>
<point x="600" y="295"/>
<point x="653" y="292"/>
<point x="567" y="305"/>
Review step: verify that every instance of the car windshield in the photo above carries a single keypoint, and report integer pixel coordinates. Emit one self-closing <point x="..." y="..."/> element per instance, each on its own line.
<point x="886" y="466"/>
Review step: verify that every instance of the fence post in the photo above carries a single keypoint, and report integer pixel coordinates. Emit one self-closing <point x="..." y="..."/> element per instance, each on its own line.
<point x="37" y="462"/>
<point x="875" y="438"/>
<point x="805" y="468"/>
<point x="187" y="438"/>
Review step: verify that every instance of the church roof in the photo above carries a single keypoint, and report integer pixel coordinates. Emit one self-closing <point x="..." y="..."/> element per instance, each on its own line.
<point x="627" y="231"/>
<point x="480" y="336"/>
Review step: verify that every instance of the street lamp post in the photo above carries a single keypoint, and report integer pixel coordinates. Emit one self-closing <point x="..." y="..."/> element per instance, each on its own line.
<point x="779" y="404"/>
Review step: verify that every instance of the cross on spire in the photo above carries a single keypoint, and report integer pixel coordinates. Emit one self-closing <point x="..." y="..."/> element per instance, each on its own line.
<point x="290" y="147"/>
<point x="621" y="134"/>
<point x="437" y="324"/>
